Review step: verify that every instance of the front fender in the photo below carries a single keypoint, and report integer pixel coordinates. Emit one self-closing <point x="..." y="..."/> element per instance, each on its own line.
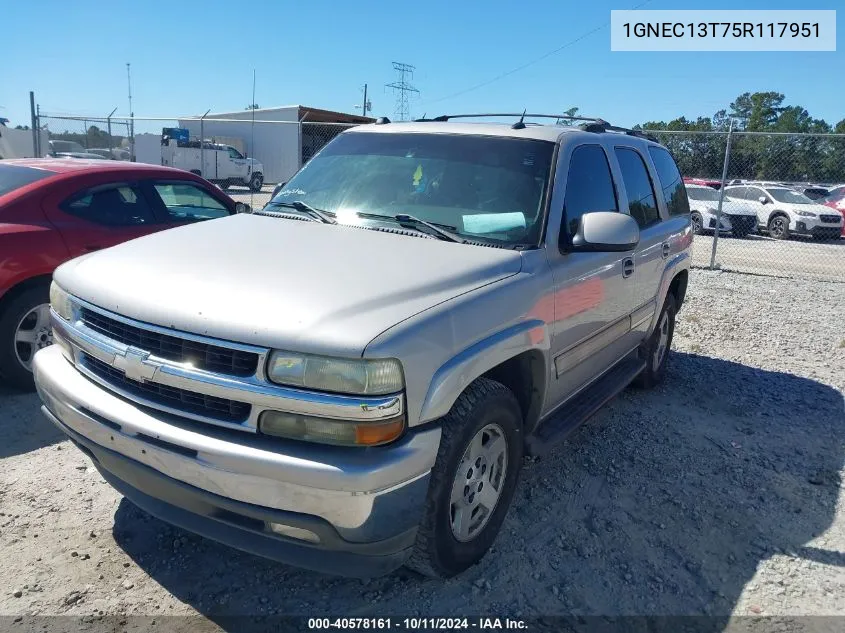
<point x="450" y="380"/>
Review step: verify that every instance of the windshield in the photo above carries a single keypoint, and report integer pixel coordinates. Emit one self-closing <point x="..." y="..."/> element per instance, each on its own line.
<point x="14" y="177"/>
<point x="789" y="196"/>
<point x="704" y="193"/>
<point x="478" y="186"/>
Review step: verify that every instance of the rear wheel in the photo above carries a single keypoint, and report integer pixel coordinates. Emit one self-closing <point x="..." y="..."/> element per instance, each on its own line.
<point x="655" y="351"/>
<point x="779" y="227"/>
<point x="24" y="329"/>
<point x="256" y="182"/>
<point x="472" y="482"/>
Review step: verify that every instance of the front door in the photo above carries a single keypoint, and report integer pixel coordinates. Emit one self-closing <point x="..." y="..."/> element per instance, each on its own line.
<point x="594" y="292"/>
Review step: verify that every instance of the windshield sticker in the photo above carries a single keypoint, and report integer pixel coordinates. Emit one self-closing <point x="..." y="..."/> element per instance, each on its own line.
<point x="291" y="192"/>
<point x="493" y="222"/>
<point x="528" y="161"/>
<point x="418" y="181"/>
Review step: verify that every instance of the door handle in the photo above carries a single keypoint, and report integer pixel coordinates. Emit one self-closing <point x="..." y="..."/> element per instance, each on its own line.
<point x="666" y="249"/>
<point x="627" y="267"/>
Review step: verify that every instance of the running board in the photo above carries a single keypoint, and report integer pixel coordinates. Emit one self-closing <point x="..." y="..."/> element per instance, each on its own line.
<point x="578" y="410"/>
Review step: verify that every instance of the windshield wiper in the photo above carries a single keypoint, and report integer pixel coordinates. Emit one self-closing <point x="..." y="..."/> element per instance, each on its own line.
<point x="440" y="231"/>
<point x="302" y="207"/>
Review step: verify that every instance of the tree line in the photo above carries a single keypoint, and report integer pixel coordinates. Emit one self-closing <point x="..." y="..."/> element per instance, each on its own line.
<point x="701" y="153"/>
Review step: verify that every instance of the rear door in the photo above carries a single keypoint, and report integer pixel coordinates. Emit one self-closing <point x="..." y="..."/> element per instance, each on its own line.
<point x="102" y="215"/>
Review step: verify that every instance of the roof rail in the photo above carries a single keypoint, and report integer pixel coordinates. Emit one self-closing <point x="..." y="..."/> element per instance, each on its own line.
<point x="604" y="126"/>
<point x="446" y="117"/>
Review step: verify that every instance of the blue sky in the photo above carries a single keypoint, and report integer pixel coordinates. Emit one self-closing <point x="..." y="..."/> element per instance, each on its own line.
<point x="189" y="56"/>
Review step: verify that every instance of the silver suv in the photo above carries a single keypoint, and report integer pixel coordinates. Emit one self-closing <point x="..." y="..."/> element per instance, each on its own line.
<point x="348" y="379"/>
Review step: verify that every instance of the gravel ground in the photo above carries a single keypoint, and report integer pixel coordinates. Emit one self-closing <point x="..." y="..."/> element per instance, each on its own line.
<point x="717" y="493"/>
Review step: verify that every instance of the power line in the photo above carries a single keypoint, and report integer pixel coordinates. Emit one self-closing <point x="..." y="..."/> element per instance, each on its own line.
<point x="530" y="63"/>
<point x="402" y="89"/>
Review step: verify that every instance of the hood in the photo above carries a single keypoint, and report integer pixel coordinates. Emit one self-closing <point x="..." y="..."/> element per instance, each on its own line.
<point x="288" y="284"/>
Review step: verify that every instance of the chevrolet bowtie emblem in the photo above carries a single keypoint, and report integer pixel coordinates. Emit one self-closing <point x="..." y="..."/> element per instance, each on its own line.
<point x="135" y="364"/>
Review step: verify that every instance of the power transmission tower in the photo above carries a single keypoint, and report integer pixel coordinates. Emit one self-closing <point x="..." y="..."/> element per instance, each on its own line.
<point x="402" y="89"/>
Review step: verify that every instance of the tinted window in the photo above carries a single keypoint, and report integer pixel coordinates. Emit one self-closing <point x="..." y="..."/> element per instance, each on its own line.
<point x="704" y="193"/>
<point x="674" y="192"/>
<point x="13" y="177"/>
<point x="113" y="205"/>
<point x="589" y="187"/>
<point x="641" y="200"/>
<point x="483" y="187"/>
<point x="187" y="202"/>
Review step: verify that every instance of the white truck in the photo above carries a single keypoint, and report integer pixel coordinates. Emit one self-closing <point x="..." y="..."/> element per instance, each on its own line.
<point x="224" y="165"/>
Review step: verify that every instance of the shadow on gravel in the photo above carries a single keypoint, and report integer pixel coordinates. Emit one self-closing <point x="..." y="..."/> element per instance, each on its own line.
<point x="23" y="428"/>
<point x="664" y="504"/>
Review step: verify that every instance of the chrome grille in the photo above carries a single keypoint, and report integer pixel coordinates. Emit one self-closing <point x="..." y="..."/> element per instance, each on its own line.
<point x="181" y="399"/>
<point x="221" y="360"/>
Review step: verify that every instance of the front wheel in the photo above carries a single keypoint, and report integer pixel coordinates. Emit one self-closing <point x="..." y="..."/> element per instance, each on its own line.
<point x="24" y="329"/>
<point x="779" y="227"/>
<point x="472" y="482"/>
<point x="697" y="223"/>
<point x="256" y="182"/>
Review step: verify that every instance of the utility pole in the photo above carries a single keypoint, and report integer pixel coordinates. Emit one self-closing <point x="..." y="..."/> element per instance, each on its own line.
<point x="402" y="89"/>
<point x="35" y="130"/>
<point x="131" y="117"/>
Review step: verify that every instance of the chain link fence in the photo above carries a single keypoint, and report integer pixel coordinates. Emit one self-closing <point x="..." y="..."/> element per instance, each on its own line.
<point x="780" y="212"/>
<point x="782" y="207"/>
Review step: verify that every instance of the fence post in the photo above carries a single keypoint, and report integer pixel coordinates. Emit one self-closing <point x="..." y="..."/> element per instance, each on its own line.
<point x="721" y="197"/>
<point x="108" y="121"/>
<point x="34" y="123"/>
<point x="202" y="143"/>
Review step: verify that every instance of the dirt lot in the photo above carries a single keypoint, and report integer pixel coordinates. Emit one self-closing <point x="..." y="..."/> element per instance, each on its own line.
<point x="718" y="493"/>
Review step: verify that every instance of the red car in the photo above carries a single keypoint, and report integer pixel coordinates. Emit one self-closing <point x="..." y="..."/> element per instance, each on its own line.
<point x="835" y="199"/>
<point x="704" y="182"/>
<point x="52" y="210"/>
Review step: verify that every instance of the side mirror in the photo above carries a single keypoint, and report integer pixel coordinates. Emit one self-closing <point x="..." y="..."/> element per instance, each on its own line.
<point x="606" y="231"/>
<point x="242" y="207"/>
<point x="763" y="200"/>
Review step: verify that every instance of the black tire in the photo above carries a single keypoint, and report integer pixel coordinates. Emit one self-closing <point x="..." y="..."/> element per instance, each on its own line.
<point x="256" y="182"/>
<point x="438" y="553"/>
<point x="225" y="184"/>
<point x="655" y="370"/>
<point x="779" y="227"/>
<point x="11" y="369"/>
<point x="197" y="172"/>
<point x="697" y="223"/>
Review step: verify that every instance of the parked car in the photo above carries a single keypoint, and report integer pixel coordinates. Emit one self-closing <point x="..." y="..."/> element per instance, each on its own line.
<point x="836" y="200"/>
<point x="52" y="210"/>
<point x="736" y="219"/>
<point x="703" y="182"/>
<point x="784" y="212"/>
<point x="462" y="294"/>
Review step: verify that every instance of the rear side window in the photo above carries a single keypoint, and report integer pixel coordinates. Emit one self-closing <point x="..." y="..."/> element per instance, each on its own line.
<point x="641" y="200"/>
<point x="14" y="177"/>
<point x="114" y="205"/>
<point x="589" y="187"/>
<point x="186" y="202"/>
<point x="674" y="192"/>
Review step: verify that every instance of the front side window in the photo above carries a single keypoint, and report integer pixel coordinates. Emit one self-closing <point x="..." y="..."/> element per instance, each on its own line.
<point x="233" y="153"/>
<point x="789" y="196"/>
<point x="589" y="187"/>
<point x="482" y="187"/>
<point x="186" y="202"/>
<point x="112" y="205"/>
<point x="641" y="200"/>
<point x="674" y="192"/>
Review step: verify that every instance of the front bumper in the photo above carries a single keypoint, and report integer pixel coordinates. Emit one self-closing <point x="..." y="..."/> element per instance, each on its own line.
<point x="361" y="505"/>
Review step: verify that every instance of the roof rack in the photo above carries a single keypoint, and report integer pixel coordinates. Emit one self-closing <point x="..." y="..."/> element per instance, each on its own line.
<point x="590" y="124"/>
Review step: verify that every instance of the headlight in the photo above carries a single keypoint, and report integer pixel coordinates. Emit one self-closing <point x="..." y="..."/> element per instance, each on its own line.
<point x="327" y="431"/>
<point x="363" y="377"/>
<point x="60" y="302"/>
<point x="806" y="214"/>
